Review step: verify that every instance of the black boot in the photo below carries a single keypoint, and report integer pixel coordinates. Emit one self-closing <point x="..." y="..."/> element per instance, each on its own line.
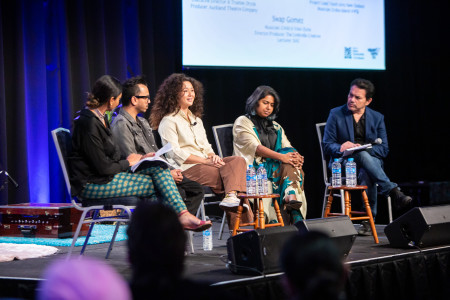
<point x="292" y="205"/>
<point x="364" y="228"/>
<point x="399" y="199"/>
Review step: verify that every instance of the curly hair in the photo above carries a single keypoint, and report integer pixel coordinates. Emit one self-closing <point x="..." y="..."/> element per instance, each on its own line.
<point x="168" y="94"/>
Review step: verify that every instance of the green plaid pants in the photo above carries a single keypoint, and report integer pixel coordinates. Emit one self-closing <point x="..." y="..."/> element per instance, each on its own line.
<point x="140" y="184"/>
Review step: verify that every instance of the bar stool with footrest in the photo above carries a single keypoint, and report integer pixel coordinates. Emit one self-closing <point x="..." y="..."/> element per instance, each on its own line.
<point x="258" y="211"/>
<point x="353" y="215"/>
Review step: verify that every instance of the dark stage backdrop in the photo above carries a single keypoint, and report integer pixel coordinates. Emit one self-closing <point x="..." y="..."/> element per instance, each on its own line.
<point x="52" y="51"/>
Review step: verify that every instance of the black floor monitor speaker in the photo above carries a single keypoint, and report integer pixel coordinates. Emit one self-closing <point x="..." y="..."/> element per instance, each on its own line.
<point x="340" y="229"/>
<point x="421" y="227"/>
<point x="258" y="251"/>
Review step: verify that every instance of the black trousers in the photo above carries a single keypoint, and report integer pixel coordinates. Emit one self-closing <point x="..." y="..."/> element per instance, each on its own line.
<point x="192" y="194"/>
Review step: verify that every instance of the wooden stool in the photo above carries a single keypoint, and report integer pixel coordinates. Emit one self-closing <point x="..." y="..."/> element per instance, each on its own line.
<point x="258" y="211"/>
<point x="348" y="206"/>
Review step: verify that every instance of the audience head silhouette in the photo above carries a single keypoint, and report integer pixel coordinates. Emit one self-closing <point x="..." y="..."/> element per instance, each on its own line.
<point x="156" y="245"/>
<point x="313" y="268"/>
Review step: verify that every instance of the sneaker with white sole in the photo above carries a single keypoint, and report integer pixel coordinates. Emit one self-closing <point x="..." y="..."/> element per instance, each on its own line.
<point x="231" y="203"/>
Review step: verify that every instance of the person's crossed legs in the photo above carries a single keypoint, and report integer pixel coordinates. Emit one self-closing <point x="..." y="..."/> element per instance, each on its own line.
<point x="371" y="174"/>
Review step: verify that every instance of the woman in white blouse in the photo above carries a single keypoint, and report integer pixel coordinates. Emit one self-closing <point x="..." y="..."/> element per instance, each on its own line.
<point x="176" y="113"/>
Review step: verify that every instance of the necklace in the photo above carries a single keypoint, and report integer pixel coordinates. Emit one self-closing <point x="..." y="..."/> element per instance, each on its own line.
<point x="100" y="116"/>
<point x="99" y="113"/>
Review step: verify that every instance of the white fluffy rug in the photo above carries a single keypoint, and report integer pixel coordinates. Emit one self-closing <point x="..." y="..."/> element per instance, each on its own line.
<point x="10" y="252"/>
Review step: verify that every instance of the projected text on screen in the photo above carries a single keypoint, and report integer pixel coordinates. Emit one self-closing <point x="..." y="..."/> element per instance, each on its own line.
<point x="337" y="34"/>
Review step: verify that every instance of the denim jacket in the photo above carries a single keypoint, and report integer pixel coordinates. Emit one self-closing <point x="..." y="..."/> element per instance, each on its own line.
<point x="132" y="136"/>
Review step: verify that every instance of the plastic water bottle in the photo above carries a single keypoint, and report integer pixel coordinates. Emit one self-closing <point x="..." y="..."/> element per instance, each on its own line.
<point x="336" y="173"/>
<point x="261" y="177"/>
<point x="251" y="180"/>
<point x="350" y="173"/>
<point x="207" y="238"/>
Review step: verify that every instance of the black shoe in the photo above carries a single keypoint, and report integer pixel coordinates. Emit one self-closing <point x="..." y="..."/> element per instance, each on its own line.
<point x="292" y="205"/>
<point x="364" y="229"/>
<point x="400" y="200"/>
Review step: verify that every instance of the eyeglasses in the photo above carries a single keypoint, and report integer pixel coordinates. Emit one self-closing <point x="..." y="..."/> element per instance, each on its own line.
<point x="143" y="97"/>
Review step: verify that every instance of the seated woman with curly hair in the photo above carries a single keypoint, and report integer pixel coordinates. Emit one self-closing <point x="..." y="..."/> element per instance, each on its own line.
<point x="176" y="113"/>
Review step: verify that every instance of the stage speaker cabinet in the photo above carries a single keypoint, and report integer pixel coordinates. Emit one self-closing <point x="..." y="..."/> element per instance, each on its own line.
<point x="340" y="229"/>
<point x="258" y="251"/>
<point x="421" y="227"/>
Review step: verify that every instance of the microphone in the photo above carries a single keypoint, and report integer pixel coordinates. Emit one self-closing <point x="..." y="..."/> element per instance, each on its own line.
<point x="9" y="178"/>
<point x="377" y="141"/>
<point x="193" y="124"/>
<point x="369" y="145"/>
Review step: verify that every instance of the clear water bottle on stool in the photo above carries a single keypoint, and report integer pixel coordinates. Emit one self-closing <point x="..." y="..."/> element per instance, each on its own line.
<point x="336" y="173"/>
<point x="261" y="176"/>
<point x="207" y="238"/>
<point x="251" y="180"/>
<point x="350" y="173"/>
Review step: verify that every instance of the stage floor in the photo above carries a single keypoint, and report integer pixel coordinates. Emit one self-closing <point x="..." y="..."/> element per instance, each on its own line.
<point x="206" y="266"/>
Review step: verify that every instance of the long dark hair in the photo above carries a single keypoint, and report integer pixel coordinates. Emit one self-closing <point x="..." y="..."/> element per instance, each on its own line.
<point x="104" y="88"/>
<point x="261" y="92"/>
<point x="166" y="99"/>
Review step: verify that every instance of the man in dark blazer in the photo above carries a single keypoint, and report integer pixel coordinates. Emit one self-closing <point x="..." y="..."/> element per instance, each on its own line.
<point x="355" y="124"/>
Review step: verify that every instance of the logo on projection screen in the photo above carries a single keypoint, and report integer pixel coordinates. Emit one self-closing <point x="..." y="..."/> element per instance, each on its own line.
<point x="373" y="52"/>
<point x="354" y="53"/>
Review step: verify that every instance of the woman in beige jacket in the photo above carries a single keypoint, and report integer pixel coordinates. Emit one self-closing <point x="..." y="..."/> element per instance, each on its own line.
<point x="176" y="113"/>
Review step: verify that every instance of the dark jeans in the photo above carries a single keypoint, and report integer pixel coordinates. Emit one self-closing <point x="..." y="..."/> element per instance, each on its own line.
<point x="192" y="194"/>
<point x="371" y="173"/>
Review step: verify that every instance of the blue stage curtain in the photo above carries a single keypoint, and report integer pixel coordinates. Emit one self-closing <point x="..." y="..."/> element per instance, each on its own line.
<point x="51" y="51"/>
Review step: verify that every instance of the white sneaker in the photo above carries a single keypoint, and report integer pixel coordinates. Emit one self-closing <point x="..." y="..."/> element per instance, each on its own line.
<point x="231" y="203"/>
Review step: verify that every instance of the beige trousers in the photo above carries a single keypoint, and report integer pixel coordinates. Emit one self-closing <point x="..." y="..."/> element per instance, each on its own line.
<point x="230" y="177"/>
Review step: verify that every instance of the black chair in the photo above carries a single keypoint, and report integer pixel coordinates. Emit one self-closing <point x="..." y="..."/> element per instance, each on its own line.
<point x="91" y="207"/>
<point x="320" y="127"/>
<point x="223" y="135"/>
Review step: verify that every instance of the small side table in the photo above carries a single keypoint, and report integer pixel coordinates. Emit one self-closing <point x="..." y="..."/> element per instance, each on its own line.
<point x="348" y="206"/>
<point x="258" y="211"/>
